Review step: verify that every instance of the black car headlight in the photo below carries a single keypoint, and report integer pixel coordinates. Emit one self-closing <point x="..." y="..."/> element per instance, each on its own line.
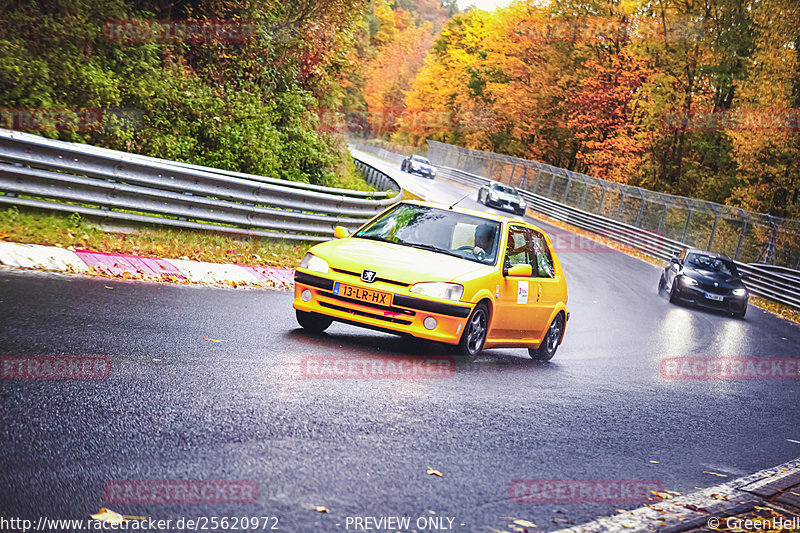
<point x="689" y="282"/>
<point x="739" y="292"/>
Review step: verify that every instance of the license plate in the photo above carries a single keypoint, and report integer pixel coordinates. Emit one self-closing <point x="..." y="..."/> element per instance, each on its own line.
<point x="715" y="297"/>
<point x="365" y="295"/>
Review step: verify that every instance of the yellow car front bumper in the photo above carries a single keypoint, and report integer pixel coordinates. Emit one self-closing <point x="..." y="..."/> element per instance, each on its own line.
<point x="406" y="315"/>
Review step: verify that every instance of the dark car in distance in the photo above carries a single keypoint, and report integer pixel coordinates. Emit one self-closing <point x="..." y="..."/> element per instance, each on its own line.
<point x="707" y="280"/>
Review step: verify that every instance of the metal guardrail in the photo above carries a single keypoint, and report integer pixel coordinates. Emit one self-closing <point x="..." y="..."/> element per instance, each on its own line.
<point x="98" y="182"/>
<point x="776" y="283"/>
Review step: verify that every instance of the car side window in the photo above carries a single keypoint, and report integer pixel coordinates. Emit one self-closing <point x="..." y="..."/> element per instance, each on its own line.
<point x="544" y="260"/>
<point x="519" y="250"/>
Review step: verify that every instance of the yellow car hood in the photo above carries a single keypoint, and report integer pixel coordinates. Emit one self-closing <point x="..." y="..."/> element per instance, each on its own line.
<point x="393" y="261"/>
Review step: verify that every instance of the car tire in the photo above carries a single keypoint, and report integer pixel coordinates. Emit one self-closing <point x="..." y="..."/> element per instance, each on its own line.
<point x="551" y="340"/>
<point x="474" y="336"/>
<point x="403" y="167"/>
<point x="313" y="322"/>
<point x="740" y="314"/>
<point x="662" y="284"/>
<point x="673" y="294"/>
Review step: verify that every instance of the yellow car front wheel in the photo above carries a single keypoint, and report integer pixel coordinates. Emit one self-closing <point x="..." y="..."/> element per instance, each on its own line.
<point x="313" y="321"/>
<point x="474" y="335"/>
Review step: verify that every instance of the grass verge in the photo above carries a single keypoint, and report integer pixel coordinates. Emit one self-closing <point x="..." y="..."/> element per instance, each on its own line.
<point x="32" y="227"/>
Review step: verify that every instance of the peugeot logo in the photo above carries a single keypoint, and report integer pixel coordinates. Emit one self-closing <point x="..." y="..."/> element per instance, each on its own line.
<point x="368" y="276"/>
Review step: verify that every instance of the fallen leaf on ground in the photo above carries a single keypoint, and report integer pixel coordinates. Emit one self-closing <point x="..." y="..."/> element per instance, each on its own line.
<point x="113" y="517"/>
<point x="212" y="340"/>
<point x="524" y="523"/>
<point x="654" y="462"/>
<point x="321" y="509"/>
<point x="715" y="474"/>
<point x="432" y="472"/>
<point x="107" y="287"/>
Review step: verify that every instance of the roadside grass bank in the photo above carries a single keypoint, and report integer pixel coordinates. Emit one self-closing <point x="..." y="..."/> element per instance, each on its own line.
<point x="76" y="232"/>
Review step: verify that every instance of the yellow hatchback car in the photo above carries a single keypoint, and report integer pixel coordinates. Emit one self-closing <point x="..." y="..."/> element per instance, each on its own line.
<point x="462" y="277"/>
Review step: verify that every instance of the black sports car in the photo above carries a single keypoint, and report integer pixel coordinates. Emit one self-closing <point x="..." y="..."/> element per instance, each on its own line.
<point x="705" y="279"/>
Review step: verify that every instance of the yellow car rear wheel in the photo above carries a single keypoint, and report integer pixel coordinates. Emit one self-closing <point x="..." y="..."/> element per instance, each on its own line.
<point x="549" y="345"/>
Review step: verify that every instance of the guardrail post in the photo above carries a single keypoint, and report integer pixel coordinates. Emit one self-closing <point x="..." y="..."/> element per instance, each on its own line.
<point x="741" y="233"/>
<point x="566" y="190"/>
<point x="513" y="169"/>
<point x="621" y="203"/>
<point x="714" y="227"/>
<point x="688" y="220"/>
<point x="661" y="220"/>
<point x="638" y="222"/>
<point x="770" y="247"/>
<point x="602" y="197"/>
<point x="552" y="182"/>
<point x="536" y="181"/>
<point x="583" y="196"/>
<point x="524" y="180"/>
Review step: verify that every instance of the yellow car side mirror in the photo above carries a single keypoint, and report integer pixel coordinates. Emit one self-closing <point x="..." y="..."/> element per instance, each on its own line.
<point x="521" y="271"/>
<point x="340" y="232"/>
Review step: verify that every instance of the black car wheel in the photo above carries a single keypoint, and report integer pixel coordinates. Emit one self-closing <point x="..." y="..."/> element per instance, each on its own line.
<point x="673" y="293"/>
<point x="662" y="284"/>
<point x="549" y="345"/>
<point x="313" y="321"/>
<point x="474" y="334"/>
<point x="740" y="314"/>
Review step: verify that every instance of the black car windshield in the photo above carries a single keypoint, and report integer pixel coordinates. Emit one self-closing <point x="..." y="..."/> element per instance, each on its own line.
<point x="502" y="188"/>
<point x="440" y="230"/>
<point x="421" y="160"/>
<point x="711" y="264"/>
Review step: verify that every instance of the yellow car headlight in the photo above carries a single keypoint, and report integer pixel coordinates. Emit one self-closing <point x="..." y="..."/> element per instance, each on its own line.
<point x="438" y="289"/>
<point x="312" y="262"/>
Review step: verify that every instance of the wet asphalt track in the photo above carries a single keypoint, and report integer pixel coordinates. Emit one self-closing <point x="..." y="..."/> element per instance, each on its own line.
<point x="178" y="407"/>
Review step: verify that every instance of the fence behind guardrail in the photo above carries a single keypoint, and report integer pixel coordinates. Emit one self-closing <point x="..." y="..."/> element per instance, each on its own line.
<point x="744" y="235"/>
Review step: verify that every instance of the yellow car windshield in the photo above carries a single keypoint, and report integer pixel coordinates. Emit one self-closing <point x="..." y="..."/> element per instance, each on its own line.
<point x="439" y="230"/>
